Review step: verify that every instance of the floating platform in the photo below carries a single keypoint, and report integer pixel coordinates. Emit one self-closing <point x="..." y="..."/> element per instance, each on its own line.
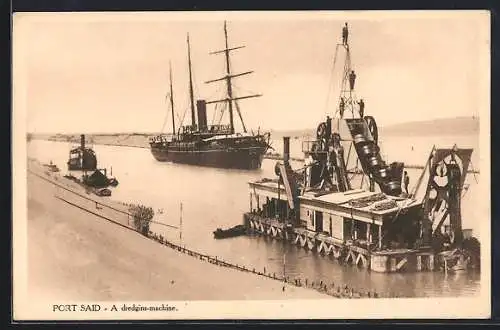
<point x="355" y="227"/>
<point x="349" y="251"/>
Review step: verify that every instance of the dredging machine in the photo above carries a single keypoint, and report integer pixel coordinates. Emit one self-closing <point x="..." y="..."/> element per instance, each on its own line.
<point x="378" y="225"/>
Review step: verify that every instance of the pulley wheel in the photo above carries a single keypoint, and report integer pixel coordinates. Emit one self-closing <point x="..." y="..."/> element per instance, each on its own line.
<point x="321" y="131"/>
<point x="372" y="127"/>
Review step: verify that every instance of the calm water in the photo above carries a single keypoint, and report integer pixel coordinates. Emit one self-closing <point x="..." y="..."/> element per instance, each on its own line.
<point x="214" y="198"/>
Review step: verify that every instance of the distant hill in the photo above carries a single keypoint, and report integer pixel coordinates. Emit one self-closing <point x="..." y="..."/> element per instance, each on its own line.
<point x="445" y="126"/>
<point x="293" y="133"/>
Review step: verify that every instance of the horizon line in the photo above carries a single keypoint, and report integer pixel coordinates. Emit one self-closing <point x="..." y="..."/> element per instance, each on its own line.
<point x="261" y="128"/>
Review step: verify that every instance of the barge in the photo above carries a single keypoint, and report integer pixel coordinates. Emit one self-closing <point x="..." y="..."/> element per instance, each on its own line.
<point x="347" y="202"/>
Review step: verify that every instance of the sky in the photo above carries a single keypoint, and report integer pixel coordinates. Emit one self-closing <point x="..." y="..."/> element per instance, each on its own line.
<point x="108" y="72"/>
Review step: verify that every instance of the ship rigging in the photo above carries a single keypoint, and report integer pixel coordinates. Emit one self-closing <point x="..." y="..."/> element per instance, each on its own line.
<point x="212" y="145"/>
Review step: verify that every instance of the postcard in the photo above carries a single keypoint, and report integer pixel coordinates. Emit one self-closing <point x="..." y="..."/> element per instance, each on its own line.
<point x="251" y="165"/>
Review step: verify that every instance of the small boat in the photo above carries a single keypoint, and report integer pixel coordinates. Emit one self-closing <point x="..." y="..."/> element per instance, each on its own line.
<point x="460" y="267"/>
<point x="52" y="167"/>
<point x="113" y="182"/>
<point x="72" y="178"/>
<point x="455" y="261"/>
<point x="237" y="230"/>
<point x="103" y="192"/>
<point x="99" y="179"/>
<point x="461" y="264"/>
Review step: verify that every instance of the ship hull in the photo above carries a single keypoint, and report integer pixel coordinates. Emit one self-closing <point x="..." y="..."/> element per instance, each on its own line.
<point x="245" y="158"/>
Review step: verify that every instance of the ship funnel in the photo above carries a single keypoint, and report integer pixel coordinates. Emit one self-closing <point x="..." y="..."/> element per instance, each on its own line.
<point x="82" y="141"/>
<point x="286" y="149"/>
<point x="201" y="106"/>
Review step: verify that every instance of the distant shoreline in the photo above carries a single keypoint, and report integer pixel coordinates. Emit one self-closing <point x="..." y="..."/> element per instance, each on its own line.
<point x="141" y="141"/>
<point x="458" y="126"/>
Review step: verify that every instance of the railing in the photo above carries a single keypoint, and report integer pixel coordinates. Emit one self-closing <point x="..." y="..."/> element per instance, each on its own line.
<point x="210" y="128"/>
<point x="219" y="129"/>
<point x="162" y="138"/>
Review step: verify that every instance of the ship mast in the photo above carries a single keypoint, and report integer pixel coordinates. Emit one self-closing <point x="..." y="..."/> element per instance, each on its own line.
<point x="172" y="99"/>
<point x="191" y="96"/>
<point x="228" y="82"/>
<point x="230" y="96"/>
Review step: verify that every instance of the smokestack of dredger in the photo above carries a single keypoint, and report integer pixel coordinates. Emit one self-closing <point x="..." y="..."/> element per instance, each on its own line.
<point x="286" y="149"/>
<point x="82" y="141"/>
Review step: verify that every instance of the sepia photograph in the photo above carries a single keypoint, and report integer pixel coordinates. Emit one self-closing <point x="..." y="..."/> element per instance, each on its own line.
<point x="251" y="165"/>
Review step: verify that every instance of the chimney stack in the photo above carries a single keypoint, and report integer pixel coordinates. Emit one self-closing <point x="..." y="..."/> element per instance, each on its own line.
<point x="286" y="149"/>
<point x="201" y="106"/>
<point x="328" y="127"/>
<point x="82" y="141"/>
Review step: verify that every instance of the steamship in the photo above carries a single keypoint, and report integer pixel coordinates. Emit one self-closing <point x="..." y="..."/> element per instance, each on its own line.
<point x="82" y="158"/>
<point x="213" y="145"/>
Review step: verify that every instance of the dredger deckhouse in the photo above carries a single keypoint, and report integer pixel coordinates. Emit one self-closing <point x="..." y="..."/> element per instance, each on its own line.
<point x="346" y="201"/>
